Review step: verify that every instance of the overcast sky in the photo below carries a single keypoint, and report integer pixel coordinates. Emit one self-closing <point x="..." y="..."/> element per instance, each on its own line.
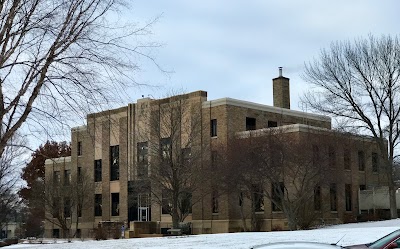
<point x="233" y="48"/>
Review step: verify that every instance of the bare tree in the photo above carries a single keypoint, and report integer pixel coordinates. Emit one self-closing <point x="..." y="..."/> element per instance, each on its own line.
<point x="359" y="84"/>
<point x="65" y="200"/>
<point x="173" y="145"/>
<point x="59" y="58"/>
<point x="10" y="162"/>
<point x="284" y="167"/>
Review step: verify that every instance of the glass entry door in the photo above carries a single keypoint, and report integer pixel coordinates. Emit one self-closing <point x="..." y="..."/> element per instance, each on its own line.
<point x="143" y="214"/>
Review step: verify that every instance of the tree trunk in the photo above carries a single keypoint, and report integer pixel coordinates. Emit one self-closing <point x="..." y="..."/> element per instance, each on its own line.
<point x="392" y="197"/>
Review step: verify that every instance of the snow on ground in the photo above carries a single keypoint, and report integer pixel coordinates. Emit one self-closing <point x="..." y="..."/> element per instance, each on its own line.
<point x="347" y="234"/>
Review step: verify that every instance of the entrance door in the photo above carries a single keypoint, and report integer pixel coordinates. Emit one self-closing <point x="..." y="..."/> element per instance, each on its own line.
<point x="143" y="213"/>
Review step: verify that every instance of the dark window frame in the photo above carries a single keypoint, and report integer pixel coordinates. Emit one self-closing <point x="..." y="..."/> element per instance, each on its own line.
<point x="278" y="192"/>
<point x="79" y="148"/>
<point x="317" y="198"/>
<point x="347" y="159"/>
<point x="348" y="197"/>
<point x="142" y="159"/>
<point x="98" y="203"/>
<point x="98" y="170"/>
<point x="375" y="162"/>
<point x="333" y="197"/>
<point x="115" y="204"/>
<point x="251" y="123"/>
<point x="271" y="124"/>
<point x="214" y="202"/>
<point x="67" y="177"/>
<point x="114" y="163"/>
<point x="213" y="128"/>
<point x="361" y="160"/>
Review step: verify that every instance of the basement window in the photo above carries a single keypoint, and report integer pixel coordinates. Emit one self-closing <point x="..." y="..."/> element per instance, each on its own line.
<point x="272" y="124"/>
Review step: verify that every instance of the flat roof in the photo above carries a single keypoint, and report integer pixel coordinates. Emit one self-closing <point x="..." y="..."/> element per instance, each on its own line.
<point x="267" y="108"/>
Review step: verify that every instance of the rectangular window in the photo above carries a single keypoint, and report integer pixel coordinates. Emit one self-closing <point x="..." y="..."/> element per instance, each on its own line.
<point x="278" y="193"/>
<point x="317" y="198"/>
<point x="363" y="187"/>
<point x="250" y="124"/>
<point x="142" y="159"/>
<point x="114" y="204"/>
<point x="79" y="174"/>
<point x="98" y="211"/>
<point x="213" y="127"/>
<point x="375" y="162"/>
<point x="79" y="148"/>
<point x="79" y="209"/>
<point x="166" y="150"/>
<point x="333" y="197"/>
<point x="56" y="177"/>
<point x="186" y="156"/>
<point x="215" y="203"/>
<point x="347" y="196"/>
<point x="272" y="124"/>
<point x="315" y="156"/>
<point x="97" y="170"/>
<point x="332" y="157"/>
<point x="67" y="177"/>
<point x="166" y="204"/>
<point x="361" y="160"/>
<point x="346" y="158"/>
<point x="56" y="207"/>
<point x="67" y="207"/>
<point x="114" y="163"/>
<point x="56" y="233"/>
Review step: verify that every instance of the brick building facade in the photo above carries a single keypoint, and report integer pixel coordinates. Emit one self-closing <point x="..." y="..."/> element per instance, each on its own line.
<point x="113" y="150"/>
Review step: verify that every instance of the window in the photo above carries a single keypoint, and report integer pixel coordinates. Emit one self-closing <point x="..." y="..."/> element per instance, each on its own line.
<point x="186" y="202"/>
<point x="332" y="157"/>
<point x="241" y="198"/>
<point x="186" y="155"/>
<point x="98" y="205"/>
<point x="67" y="207"/>
<point x="79" y="174"/>
<point x="114" y="163"/>
<point x="315" y="156"/>
<point x="361" y="160"/>
<point x="142" y="159"/>
<point x="272" y="124"/>
<point x="67" y="177"/>
<point x="215" y="203"/>
<point x="375" y="162"/>
<point x="79" y="148"/>
<point x="278" y="192"/>
<point x="333" y="197"/>
<point x="347" y="197"/>
<point x="317" y="198"/>
<point x="97" y="170"/>
<point x="250" y="124"/>
<point x="56" y="207"/>
<point x="56" y="177"/>
<point x="79" y="209"/>
<point x="165" y="144"/>
<point x="78" y="233"/>
<point x="363" y="187"/>
<point x="346" y="158"/>
<point x="213" y="127"/>
<point x="166" y="204"/>
<point x="258" y="198"/>
<point x="56" y="233"/>
<point x="114" y="204"/>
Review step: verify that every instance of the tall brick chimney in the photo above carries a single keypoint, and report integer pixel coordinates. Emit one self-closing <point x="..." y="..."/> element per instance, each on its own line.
<point x="281" y="91"/>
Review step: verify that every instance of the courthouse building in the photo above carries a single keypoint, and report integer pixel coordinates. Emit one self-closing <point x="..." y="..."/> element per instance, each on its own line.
<point x="113" y="148"/>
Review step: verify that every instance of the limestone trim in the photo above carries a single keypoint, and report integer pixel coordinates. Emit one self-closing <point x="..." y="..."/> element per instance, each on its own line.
<point x="58" y="160"/>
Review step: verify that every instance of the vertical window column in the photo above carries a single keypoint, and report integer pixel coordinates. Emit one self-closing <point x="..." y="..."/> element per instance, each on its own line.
<point x="114" y="163"/>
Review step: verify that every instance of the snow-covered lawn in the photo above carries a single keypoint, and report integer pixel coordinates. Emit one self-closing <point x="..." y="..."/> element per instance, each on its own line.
<point x="347" y="234"/>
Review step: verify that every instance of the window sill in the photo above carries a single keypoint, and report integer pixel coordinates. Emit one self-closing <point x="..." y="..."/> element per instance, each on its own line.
<point x="214" y="137"/>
